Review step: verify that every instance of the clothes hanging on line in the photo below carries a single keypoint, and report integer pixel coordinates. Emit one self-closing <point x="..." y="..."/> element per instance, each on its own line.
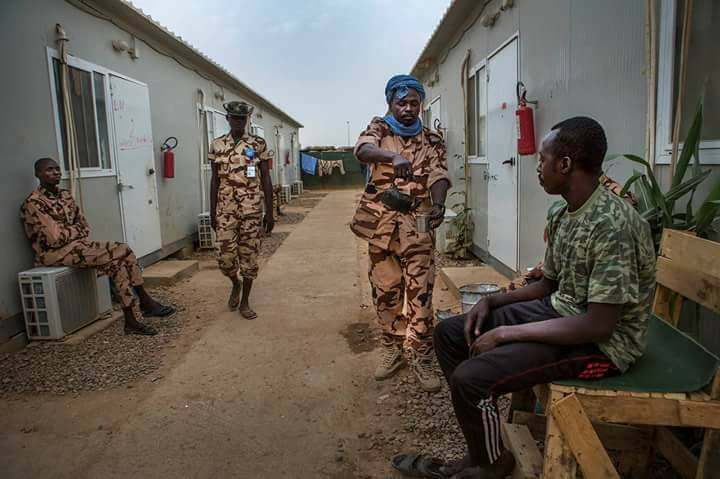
<point x="326" y="167"/>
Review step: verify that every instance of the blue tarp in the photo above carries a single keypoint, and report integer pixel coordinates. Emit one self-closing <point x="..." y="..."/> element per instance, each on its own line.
<point x="309" y="163"/>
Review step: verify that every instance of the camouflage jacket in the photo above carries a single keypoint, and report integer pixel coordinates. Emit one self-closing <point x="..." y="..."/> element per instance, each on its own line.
<point x="604" y="253"/>
<point x="375" y="223"/>
<point x="236" y="190"/>
<point x="53" y="224"/>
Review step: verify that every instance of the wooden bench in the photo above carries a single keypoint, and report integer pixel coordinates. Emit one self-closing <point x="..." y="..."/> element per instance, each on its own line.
<point x="583" y="420"/>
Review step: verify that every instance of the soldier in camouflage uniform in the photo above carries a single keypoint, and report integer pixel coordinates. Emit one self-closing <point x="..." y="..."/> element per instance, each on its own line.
<point x="586" y="318"/>
<point x="403" y="157"/>
<point x="59" y="235"/>
<point x="240" y="181"/>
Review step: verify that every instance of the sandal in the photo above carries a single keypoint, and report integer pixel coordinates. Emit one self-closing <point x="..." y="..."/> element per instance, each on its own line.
<point x="417" y="465"/>
<point x="248" y="313"/>
<point x="141" y="330"/>
<point x="159" y="311"/>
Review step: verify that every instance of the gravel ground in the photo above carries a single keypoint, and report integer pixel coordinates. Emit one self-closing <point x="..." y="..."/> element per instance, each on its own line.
<point x="108" y="359"/>
<point x="444" y="261"/>
<point x="427" y="421"/>
<point x="289" y="218"/>
<point x="105" y="360"/>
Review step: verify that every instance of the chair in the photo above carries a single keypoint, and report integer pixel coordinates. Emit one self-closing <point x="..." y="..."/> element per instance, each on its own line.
<point x="675" y="384"/>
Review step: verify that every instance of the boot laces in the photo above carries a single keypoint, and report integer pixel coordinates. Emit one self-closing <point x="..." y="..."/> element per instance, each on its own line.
<point x="423" y="360"/>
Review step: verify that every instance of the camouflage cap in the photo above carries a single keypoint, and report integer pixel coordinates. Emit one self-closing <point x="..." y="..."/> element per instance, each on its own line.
<point x="238" y="108"/>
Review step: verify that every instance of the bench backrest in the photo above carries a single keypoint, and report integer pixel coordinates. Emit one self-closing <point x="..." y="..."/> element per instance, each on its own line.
<point x="689" y="266"/>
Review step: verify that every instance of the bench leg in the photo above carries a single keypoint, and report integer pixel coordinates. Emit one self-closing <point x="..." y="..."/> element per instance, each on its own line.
<point x="522" y="401"/>
<point x="559" y="462"/>
<point x="709" y="463"/>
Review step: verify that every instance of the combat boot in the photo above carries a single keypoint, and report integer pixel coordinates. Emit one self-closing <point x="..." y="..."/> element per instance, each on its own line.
<point x="421" y="363"/>
<point x="391" y="359"/>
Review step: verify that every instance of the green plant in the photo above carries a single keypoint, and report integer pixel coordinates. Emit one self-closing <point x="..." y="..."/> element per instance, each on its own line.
<point x="660" y="208"/>
<point x="464" y="227"/>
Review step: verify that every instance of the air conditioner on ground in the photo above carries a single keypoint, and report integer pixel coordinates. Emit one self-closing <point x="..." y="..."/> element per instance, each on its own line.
<point x="206" y="235"/>
<point x="60" y="300"/>
<point x="285" y="194"/>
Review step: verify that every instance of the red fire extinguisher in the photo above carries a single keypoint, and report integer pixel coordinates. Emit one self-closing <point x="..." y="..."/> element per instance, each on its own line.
<point x="169" y="157"/>
<point x="525" y="124"/>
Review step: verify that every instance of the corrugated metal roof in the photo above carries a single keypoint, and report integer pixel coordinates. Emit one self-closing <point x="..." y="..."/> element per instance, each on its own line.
<point x="171" y="37"/>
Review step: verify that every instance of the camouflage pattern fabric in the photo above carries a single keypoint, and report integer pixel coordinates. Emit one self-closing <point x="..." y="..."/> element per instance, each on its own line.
<point x="536" y="273"/>
<point x="232" y="160"/>
<point x="604" y="253"/>
<point x="240" y="205"/>
<point x="238" y="242"/>
<point x="401" y="259"/>
<point x="404" y="271"/>
<point x="58" y="233"/>
<point x="427" y="153"/>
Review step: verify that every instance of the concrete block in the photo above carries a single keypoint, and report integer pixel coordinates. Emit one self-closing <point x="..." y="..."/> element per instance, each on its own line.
<point x="184" y="253"/>
<point x="166" y="273"/>
<point x="457" y="277"/>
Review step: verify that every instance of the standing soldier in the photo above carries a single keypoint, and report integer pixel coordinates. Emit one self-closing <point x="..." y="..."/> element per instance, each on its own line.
<point x="408" y="184"/>
<point x="240" y="168"/>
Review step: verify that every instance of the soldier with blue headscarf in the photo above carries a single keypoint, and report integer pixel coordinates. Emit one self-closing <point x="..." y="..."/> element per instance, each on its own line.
<point x="408" y="184"/>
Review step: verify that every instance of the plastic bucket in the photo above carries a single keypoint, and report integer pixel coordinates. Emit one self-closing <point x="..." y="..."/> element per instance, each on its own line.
<point x="472" y="293"/>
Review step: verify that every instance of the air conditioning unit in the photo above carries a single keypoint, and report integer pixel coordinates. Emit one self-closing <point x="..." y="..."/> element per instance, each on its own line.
<point x="285" y="194"/>
<point x="60" y="300"/>
<point x="206" y="235"/>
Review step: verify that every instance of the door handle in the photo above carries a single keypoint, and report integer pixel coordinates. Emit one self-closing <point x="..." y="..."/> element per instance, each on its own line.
<point x="123" y="186"/>
<point x="510" y="162"/>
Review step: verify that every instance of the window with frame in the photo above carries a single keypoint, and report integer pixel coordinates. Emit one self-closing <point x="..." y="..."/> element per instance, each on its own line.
<point x="703" y="75"/>
<point x="477" y="113"/>
<point x="703" y="67"/>
<point x="88" y="100"/>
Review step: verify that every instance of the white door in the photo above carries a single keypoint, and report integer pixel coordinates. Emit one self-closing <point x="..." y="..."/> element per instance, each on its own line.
<point x="502" y="155"/>
<point x="135" y="165"/>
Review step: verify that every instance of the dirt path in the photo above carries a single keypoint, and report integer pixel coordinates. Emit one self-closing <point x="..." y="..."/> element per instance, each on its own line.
<point x="282" y="396"/>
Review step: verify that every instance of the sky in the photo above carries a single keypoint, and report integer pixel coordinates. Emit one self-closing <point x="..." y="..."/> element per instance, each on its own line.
<point x="324" y="62"/>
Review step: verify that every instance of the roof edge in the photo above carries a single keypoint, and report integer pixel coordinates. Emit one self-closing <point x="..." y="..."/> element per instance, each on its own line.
<point x="180" y="47"/>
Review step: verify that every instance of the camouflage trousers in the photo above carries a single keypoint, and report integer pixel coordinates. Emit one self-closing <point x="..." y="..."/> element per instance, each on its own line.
<point x="404" y="272"/>
<point x="116" y="260"/>
<point x="238" y="244"/>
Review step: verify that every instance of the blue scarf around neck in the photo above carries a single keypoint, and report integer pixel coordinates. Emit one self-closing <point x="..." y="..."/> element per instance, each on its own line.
<point x="402" y="130"/>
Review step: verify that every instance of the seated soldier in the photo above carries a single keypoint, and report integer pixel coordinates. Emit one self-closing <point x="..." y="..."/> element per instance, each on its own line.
<point x="585" y="318"/>
<point x="534" y="274"/>
<point x="59" y="235"/>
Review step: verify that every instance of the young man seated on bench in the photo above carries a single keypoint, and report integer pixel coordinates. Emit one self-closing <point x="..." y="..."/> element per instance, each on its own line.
<point x="586" y="318"/>
<point x="59" y="235"/>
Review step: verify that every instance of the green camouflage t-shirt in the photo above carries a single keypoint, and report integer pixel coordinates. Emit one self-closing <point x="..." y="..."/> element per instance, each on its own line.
<point x="603" y="253"/>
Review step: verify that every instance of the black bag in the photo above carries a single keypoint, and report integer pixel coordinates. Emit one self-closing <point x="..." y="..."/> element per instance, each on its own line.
<point x="396" y="200"/>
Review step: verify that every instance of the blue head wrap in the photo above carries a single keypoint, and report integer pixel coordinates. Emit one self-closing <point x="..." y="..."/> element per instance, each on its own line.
<point x="398" y="87"/>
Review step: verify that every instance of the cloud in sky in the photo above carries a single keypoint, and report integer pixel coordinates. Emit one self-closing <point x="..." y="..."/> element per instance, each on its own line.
<point x="325" y="62"/>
